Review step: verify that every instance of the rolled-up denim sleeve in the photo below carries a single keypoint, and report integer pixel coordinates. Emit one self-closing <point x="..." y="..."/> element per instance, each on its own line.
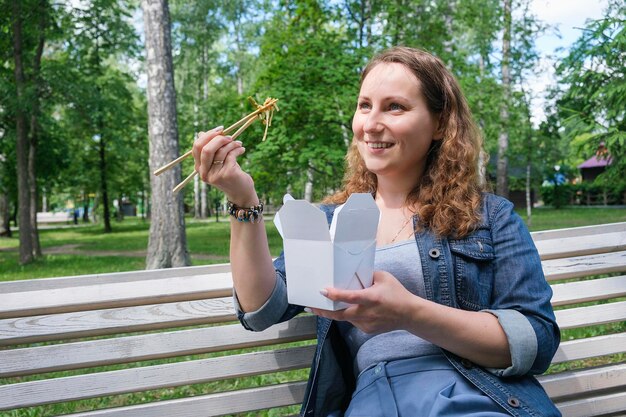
<point x="269" y="313"/>
<point x="522" y="342"/>
<point x="521" y="295"/>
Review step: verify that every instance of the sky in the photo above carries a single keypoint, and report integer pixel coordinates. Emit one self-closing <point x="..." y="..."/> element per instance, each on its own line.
<point x="568" y="16"/>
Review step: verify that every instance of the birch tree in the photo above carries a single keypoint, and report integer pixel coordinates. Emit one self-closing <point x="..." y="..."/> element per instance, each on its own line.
<point x="502" y="180"/>
<point x="167" y="244"/>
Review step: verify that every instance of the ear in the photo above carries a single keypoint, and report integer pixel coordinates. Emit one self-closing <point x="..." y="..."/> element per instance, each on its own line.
<point x="439" y="132"/>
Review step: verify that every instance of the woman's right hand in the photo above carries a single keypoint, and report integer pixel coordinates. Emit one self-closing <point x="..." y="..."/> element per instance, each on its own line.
<point x="215" y="159"/>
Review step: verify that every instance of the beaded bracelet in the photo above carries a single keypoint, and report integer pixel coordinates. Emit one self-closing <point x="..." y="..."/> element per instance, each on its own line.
<point x="245" y="214"/>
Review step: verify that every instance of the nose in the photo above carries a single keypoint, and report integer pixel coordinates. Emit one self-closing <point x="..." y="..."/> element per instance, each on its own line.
<point x="372" y="122"/>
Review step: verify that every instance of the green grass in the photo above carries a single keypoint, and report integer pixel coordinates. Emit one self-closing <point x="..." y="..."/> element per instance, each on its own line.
<point x="65" y="265"/>
<point x="207" y="242"/>
<point x="546" y="218"/>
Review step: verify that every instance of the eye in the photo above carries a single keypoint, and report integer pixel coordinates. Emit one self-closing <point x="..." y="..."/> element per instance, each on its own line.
<point x="364" y="105"/>
<point x="396" y="107"/>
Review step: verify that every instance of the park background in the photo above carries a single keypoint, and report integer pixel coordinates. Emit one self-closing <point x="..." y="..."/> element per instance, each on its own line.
<point x="82" y="125"/>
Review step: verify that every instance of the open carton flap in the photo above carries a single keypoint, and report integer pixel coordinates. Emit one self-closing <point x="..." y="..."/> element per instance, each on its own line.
<point x="299" y="219"/>
<point x="355" y="225"/>
<point x="279" y="226"/>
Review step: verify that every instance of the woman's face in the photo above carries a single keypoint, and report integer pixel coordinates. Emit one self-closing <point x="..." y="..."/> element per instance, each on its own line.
<point x="392" y="125"/>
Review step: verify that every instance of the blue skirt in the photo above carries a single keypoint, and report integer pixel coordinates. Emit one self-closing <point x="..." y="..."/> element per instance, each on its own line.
<point x="426" y="386"/>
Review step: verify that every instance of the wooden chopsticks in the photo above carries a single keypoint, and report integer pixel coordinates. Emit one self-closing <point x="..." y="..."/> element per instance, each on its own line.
<point x="264" y="112"/>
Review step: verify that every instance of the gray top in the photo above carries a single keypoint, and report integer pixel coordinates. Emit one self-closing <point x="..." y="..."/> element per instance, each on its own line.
<point x="401" y="260"/>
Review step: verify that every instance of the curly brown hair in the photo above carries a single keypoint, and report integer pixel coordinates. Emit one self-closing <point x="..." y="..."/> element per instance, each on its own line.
<point x="447" y="199"/>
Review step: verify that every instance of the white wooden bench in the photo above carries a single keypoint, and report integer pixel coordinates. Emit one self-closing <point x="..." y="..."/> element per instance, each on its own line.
<point x="147" y="332"/>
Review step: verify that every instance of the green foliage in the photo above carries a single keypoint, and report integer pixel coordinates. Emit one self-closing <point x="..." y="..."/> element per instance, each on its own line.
<point x="557" y="196"/>
<point x="307" y="64"/>
<point x="586" y="193"/>
<point x="103" y="112"/>
<point x="592" y="98"/>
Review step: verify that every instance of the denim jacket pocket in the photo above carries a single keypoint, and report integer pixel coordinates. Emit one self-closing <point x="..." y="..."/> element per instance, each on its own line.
<point x="473" y="270"/>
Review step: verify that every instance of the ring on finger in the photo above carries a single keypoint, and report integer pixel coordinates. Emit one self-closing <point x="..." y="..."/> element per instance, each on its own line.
<point x="218" y="162"/>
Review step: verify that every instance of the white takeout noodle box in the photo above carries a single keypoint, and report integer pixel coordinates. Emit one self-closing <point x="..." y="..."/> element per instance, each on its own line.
<point x="317" y="257"/>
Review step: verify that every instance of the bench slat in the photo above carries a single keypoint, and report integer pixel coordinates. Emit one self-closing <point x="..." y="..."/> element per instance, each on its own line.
<point x="112" y="295"/>
<point x="108" y="278"/>
<point x="119" y="294"/>
<point x="589" y="290"/>
<point x="577" y="246"/>
<point x="583" y="382"/>
<point x="127" y="319"/>
<point x="212" y="405"/>
<point x="590" y="347"/>
<point x="582" y="266"/>
<point x="597" y="406"/>
<point x="117" y="320"/>
<point x="55" y="390"/>
<point x="578" y="231"/>
<point x="591" y="315"/>
<point x="62" y="357"/>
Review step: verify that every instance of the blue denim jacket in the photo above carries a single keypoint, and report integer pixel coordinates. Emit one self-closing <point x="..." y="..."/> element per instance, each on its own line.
<point x="494" y="269"/>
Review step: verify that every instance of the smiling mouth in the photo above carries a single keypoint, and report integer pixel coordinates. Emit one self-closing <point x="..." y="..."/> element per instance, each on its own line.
<point x="379" y="145"/>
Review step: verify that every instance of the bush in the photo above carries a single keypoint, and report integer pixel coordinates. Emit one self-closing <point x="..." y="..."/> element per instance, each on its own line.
<point x="599" y="194"/>
<point x="557" y="196"/>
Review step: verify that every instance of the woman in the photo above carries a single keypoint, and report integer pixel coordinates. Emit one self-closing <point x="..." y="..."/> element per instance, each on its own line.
<point x="459" y="317"/>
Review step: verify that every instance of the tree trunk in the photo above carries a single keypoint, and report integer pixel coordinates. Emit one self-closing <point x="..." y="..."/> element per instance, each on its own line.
<point x="34" y="130"/>
<point x="85" y="207"/>
<point x="529" y="203"/>
<point x="204" y="195"/>
<point x="32" y="192"/>
<point x="308" y="186"/>
<point x="102" y="161"/>
<point x="167" y="245"/>
<point x="482" y="167"/>
<point x="120" y="208"/>
<point x="22" y="145"/>
<point x="239" y="55"/>
<point x="104" y="188"/>
<point x="5" y="216"/>
<point x="502" y="180"/>
<point x="94" y="213"/>
<point x="448" y="21"/>
<point x="196" y="180"/>
<point x="196" y="197"/>
<point x="204" y="200"/>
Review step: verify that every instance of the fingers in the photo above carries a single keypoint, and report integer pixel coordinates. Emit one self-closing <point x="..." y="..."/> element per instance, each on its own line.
<point x="221" y="158"/>
<point x="201" y="140"/>
<point x="213" y="152"/>
<point x="231" y="157"/>
<point x="347" y="296"/>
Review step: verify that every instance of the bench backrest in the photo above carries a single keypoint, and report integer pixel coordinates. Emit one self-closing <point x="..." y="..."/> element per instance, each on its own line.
<point x="149" y="332"/>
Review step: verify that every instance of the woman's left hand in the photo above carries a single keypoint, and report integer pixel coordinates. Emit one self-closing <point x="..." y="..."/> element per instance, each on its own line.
<point x="387" y="305"/>
<point x="383" y="307"/>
